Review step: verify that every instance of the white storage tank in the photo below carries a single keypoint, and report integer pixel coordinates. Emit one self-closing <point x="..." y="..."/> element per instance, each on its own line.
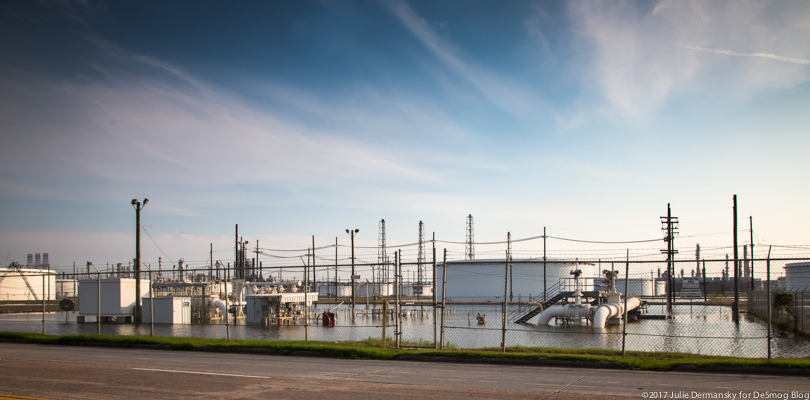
<point x="369" y="289"/>
<point x="660" y="287"/>
<point x="117" y="296"/>
<point x="636" y="286"/>
<point x="168" y="310"/>
<point x="27" y="284"/>
<point x="345" y="290"/>
<point x="483" y="280"/>
<point x="797" y="277"/>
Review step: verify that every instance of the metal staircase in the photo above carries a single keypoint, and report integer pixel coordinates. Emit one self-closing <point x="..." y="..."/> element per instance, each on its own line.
<point x="526" y="312"/>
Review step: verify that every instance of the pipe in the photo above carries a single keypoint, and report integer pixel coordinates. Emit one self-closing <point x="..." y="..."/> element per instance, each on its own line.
<point x="218" y="304"/>
<point x="568" y="310"/>
<point x="607" y="311"/>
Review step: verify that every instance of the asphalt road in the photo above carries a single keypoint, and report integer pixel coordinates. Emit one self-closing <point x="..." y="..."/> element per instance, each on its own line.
<point x="84" y="372"/>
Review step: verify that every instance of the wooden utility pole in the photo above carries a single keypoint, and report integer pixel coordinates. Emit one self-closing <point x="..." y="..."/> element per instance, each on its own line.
<point x="751" y="226"/>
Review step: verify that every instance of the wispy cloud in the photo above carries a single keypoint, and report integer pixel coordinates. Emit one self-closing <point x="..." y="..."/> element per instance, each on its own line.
<point x="640" y="57"/>
<point x="802" y="61"/>
<point x="503" y="93"/>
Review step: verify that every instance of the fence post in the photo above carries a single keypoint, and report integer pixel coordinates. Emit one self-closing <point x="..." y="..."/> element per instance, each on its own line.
<point x="626" y="294"/>
<point x="444" y="299"/>
<point x="398" y="280"/>
<point x="435" y="322"/>
<point x="43" y="301"/>
<point x="770" y="301"/>
<point x="503" y="309"/>
<point x="98" y="315"/>
<point x="384" y="319"/>
<point x="151" y="307"/>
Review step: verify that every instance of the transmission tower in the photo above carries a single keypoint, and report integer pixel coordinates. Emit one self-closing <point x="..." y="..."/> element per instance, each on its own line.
<point x="469" y="249"/>
<point x="420" y="259"/>
<point x="382" y="258"/>
<point x="669" y="225"/>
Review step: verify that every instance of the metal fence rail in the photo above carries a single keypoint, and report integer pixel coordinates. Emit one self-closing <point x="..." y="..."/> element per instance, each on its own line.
<point x="487" y="304"/>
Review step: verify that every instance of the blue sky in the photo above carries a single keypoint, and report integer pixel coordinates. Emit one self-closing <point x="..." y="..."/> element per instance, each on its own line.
<point x="306" y="118"/>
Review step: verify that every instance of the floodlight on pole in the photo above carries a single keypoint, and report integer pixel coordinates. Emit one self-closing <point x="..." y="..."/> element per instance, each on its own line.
<point x="138" y="207"/>
<point x="352" y="232"/>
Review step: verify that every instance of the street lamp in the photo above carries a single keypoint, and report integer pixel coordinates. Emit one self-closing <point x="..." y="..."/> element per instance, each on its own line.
<point x="138" y="207"/>
<point x="352" y="232"/>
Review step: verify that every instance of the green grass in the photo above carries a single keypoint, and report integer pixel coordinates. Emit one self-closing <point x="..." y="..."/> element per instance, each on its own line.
<point x="370" y="348"/>
<point x="376" y="342"/>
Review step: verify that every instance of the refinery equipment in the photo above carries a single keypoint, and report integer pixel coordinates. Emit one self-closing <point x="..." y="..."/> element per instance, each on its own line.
<point x="607" y="308"/>
<point x="277" y="302"/>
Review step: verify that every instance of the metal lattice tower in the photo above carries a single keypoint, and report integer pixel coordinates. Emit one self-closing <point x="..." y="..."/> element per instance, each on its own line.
<point x="382" y="257"/>
<point x="669" y="225"/>
<point x="469" y="248"/>
<point x="420" y="259"/>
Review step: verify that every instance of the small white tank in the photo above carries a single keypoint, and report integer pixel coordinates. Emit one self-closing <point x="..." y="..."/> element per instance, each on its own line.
<point x="797" y="277"/>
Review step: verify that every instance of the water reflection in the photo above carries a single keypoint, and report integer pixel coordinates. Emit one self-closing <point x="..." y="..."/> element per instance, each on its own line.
<point x="697" y="329"/>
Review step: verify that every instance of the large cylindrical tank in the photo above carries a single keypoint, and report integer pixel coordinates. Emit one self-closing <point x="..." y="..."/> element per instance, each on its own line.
<point x="14" y="287"/>
<point x="483" y="280"/>
<point x="344" y="290"/>
<point x="660" y="287"/>
<point x="636" y="286"/>
<point x="797" y="277"/>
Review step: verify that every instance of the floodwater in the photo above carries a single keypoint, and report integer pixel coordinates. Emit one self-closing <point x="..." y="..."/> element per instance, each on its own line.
<point x="697" y="329"/>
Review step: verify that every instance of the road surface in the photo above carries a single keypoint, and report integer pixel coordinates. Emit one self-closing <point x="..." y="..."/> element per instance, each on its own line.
<point x="86" y="372"/>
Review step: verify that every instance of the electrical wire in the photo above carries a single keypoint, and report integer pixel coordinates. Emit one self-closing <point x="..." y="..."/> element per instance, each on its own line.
<point x="156" y="245"/>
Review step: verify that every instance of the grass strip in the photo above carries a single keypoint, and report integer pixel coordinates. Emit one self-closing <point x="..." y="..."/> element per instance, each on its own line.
<point x="371" y="349"/>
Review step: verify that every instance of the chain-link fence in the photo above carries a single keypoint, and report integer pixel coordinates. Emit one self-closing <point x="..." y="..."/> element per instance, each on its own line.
<point x="694" y="306"/>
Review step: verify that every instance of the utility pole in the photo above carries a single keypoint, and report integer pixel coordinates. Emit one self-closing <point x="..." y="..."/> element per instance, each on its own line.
<point x="509" y="261"/>
<point x="735" y="306"/>
<point x="138" y="207"/>
<point x="670" y="225"/>
<point x="236" y="254"/>
<point x="257" y="261"/>
<point x="751" y="226"/>
<point x="352" y="233"/>
<point x="420" y="259"/>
